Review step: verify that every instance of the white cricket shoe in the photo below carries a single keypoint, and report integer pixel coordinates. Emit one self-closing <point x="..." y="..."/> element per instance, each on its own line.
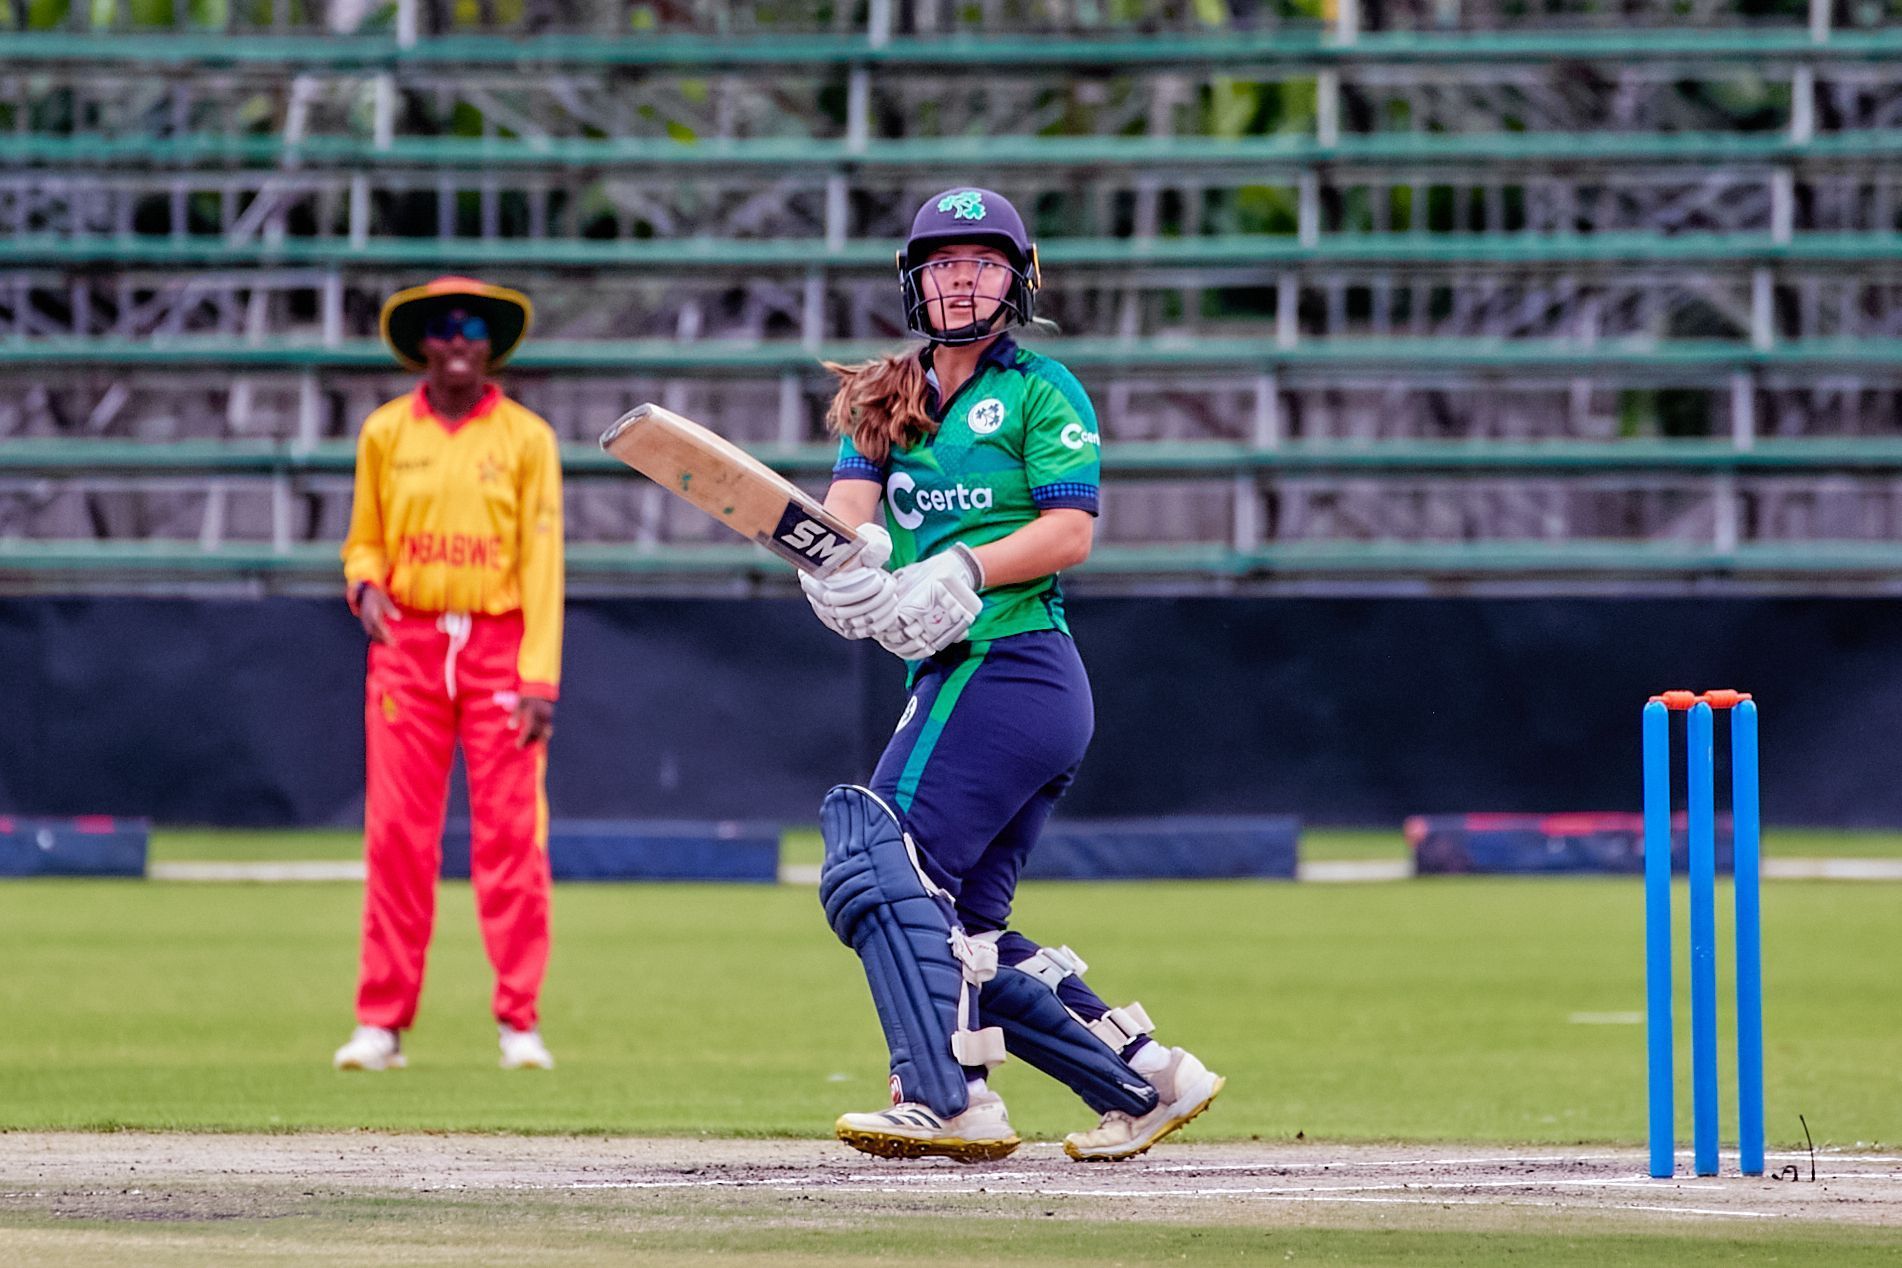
<point x="1185" y="1088"/>
<point x="524" y="1050"/>
<point x="910" y="1130"/>
<point x="370" y="1048"/>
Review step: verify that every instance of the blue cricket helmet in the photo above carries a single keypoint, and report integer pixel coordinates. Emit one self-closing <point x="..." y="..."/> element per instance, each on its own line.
<point x="983" y="217"/>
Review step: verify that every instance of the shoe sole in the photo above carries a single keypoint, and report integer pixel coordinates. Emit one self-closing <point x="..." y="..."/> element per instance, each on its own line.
<point x="1179" y="1121"/>
<point x="396" y="1063"/>
<point x="888" y="1146"/>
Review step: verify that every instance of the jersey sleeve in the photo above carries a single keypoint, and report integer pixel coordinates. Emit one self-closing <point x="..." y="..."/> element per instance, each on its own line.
<point x="1062" y="451"/>
<point x="853" y="465"/>
<point x="364" y="558"/>
<point x="543" y="567"/>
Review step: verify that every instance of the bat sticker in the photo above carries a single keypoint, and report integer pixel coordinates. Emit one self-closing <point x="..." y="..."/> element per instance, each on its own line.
<point x="799" y="536"/>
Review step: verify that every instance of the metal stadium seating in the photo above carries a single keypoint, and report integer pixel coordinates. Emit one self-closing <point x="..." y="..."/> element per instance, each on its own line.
<point x="1421" y="295"/>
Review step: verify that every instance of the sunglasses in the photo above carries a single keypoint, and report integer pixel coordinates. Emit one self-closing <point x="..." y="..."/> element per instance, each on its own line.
<point x="449" y="325"/>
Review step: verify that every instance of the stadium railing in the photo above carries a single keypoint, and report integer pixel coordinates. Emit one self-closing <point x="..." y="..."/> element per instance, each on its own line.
<point x="76" y="457"/>
<point x="1279" y="155"/>
<point x="29" y="565"/>
<point x="1798" y="151"/>
<point x="1293" y="47"/>
<point x="1156" y="355"/>
<point x="289" y="470"/>
<point x="740" y="255"/>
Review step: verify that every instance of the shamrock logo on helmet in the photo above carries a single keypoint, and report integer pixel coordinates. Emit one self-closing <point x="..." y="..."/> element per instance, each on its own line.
<point x="966" y="204"/>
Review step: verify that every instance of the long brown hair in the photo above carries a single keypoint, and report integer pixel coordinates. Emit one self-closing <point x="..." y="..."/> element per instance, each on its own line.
<point x="880" y="404"/>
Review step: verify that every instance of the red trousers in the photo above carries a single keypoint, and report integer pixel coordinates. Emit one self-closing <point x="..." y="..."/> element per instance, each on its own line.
<point x="444" y="679"/>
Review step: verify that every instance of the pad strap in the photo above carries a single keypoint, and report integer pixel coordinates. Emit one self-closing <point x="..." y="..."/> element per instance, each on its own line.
<point x="1052" y="964"/>
<point x="979" y="1047"/>
<point x="1044" y="1033"/>
<point x="1120" y="1027"/>
<point x="977" y="957"/>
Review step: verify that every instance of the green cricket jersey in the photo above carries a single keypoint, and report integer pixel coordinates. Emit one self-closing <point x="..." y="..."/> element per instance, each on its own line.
<point x="1016" y="440"/>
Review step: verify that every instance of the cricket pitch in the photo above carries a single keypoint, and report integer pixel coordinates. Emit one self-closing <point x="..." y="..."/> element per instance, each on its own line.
<point x="149" y="1197"/>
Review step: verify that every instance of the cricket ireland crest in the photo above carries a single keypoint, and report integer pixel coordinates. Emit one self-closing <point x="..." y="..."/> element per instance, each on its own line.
<point x="965" y="204"/>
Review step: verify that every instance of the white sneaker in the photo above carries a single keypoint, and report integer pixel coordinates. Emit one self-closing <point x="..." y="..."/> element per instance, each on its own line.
<point x="910" y="1130"/>
<point x="1185" y="1088"/>
<point x="370" y="1048"/>
<point x="524" y="1050"/>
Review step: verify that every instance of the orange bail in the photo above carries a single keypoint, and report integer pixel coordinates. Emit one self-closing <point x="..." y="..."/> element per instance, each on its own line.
<point x="1680" y="701"/>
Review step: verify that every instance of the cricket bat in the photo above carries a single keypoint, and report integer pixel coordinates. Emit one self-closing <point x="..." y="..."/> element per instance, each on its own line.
<point x="733" y="486"/>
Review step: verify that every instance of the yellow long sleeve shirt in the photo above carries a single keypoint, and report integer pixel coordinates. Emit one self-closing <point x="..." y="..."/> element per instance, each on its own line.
<point x="464" y="519"/>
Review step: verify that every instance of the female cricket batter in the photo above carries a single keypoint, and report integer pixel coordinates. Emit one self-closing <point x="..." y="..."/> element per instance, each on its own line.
<point x="454" y="566"/>
<point x="986" y="458"/>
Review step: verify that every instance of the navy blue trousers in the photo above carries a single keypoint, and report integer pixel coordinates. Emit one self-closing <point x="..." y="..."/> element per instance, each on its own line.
<point x="990" y="738"/>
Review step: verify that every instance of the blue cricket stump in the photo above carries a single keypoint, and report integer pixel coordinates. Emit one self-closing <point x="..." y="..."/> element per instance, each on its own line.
<point x="1658" y="1026"/>
<point x="1747" y="863"/>
<point x="1701" y="816"/>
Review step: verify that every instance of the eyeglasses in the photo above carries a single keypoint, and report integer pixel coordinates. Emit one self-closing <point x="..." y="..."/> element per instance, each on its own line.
<point x="449" y="325"/>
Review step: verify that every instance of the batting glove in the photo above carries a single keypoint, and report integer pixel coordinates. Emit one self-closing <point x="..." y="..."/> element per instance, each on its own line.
<point x="857" y="600"/>
<point x="937" y="602"/>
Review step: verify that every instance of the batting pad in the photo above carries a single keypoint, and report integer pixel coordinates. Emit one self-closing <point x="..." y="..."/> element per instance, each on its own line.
<point x="880" y="905"/>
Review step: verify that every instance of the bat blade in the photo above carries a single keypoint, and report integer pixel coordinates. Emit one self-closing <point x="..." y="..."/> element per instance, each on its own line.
<point x="733" y="487"/>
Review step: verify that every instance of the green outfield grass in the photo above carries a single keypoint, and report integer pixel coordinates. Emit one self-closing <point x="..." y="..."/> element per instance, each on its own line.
<point x="244" y="845"/>
<point x="1457" y="1010"/>
<point x="577" y="1230"/>
<point x="1795" y="843"/>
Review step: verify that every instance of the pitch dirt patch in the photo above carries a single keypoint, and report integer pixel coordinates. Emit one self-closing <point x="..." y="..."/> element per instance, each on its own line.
<point x="140" y="1176"/>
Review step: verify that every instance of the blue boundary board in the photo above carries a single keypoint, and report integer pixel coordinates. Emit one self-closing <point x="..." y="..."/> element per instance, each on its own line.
<point x="643" y="850"/>
<point x="92" y="845"/>
<point x="1180" y="847"/>
<point x="1556" y="843"/>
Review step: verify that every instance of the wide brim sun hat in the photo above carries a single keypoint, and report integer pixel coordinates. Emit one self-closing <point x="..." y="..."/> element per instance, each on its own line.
<point x="406" y="314"/>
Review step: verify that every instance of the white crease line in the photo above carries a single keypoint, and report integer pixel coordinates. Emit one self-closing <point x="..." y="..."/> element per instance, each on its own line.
<point x="929" y="1177"/>
<point x="1227" y="1192"/>
<point x="1214" y="1168"/>
<point x="968" y="1186"/>
<point x="1555" y="1160"/>
<point x="1845" y="869"/>
<point x="1354" y="871"/>
<point x="1702" y="1210"/>
<point x="1635" y="1182"/>
<point x="1014" y="1183"/>
<point x="713" y="1183"/>
<point x="257" y="873"/>
<point x="1273" y="1196"/>
<point x="923" y="1181"/>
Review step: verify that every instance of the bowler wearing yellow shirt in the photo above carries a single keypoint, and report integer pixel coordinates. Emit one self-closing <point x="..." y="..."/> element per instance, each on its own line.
<point x="454" y="566"/>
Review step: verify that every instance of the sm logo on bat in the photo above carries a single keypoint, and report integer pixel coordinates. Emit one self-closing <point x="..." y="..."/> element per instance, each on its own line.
<point x="807" y="539"/>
